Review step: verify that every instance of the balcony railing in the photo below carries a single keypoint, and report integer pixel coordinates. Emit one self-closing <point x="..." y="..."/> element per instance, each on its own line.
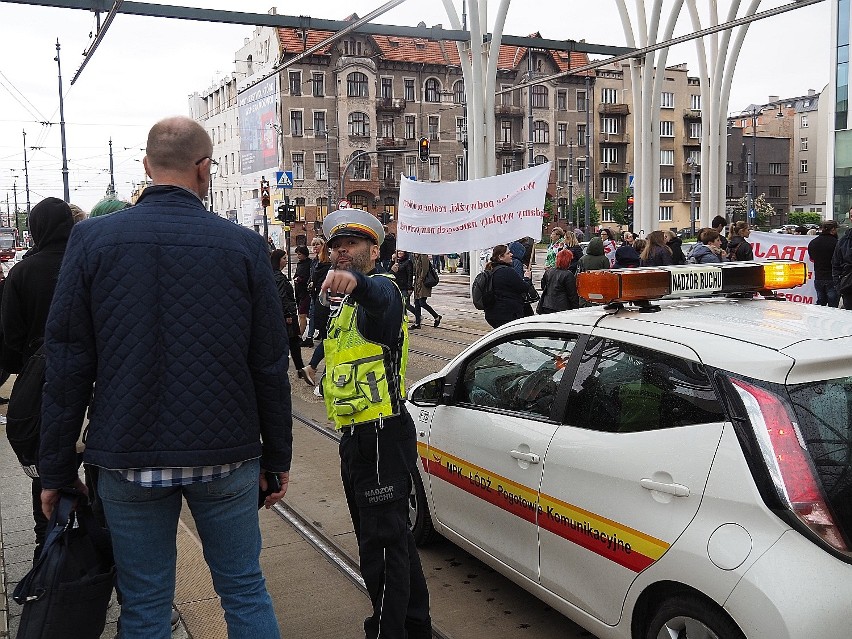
<point x="509" y="147"/>
<point x="613" y="167"/>
<point x="390" y="143"/>
<point x="614" y="109"/>
<point x="390" y="104"/>
<point x="613" y="138"/>
<point x="390" y="183"/>
<point x="508" y="110"/>
<point x="691" y="114"/>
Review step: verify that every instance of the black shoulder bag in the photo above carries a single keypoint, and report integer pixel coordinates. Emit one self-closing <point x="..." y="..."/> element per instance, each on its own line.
<point x="67" y="592"/>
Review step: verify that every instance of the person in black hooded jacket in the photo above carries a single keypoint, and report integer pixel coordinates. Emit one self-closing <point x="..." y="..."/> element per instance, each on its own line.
<point x="510" y="289"/>
<point x="27" y="293"/>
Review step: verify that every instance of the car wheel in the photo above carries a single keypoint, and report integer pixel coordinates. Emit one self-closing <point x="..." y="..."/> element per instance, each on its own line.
<point x="689" y="616"/>
<point x="419" y="519"/>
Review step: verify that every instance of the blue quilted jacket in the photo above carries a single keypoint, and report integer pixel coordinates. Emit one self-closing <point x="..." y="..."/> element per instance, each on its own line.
<point x="171" y="316"/>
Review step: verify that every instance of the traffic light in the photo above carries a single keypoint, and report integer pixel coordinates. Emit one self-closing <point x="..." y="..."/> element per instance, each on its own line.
<point x="424" y="149"/>
<point x="282" y="213"/>
<point x="264" y="193"/>
<point x="291" y="214"/>
<point x="629" y="213"/>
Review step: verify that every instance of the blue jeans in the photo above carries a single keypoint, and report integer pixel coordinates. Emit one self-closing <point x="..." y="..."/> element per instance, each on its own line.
<point x="826" y="293"/>
<point x="143" y="524"/>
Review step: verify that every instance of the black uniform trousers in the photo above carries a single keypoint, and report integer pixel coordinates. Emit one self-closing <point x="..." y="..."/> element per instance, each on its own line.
<point x="376" y="466"/>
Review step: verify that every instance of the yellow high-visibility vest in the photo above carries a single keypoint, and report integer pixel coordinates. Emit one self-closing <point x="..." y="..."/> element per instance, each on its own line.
<point x="363" y="381"/>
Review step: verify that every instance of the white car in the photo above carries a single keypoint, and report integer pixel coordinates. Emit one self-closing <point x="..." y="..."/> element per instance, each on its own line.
<point x="655" y="469"/>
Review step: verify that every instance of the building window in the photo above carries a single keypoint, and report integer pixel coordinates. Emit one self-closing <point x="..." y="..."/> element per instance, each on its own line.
<point x="581" y="135"/>
<point x="410" y="165"/>
<point x="505" y="131"/>
<point x="666" y="213"/>
<point x="729" y="191"/>
<point x="409" y="89"/>
<point x="387" y="87"/>
<point x="322" y="208"/>
<point x="666" y="158"/>
<point x="390" y="207"/>
<point x="458" y="92"/>
<point x="804" y="146"/>
<point x="609" y="125"/>
<point x="774" y="191"/>
<point x="695" y="130"/>
<point x="666" y="129"/>
<point x="541" y="132"/>
<point x="581" y="171"/>
<point x="581" y="100"/>
<point x="319" y="124"/>
<point x="609" y="185"/>
<point x="461" y="174"/>
<point x="562" y="134"/>
<point x="562" y="172"/>
<point x="507" y="165"/>
<point x="804" y="166"/>
<point x="298" y="166"/>
<point x="606" y="214"/>
<point x="695" y="102"/>
<point x="295" y="83"/>
<point x="300" y="209"/>
<point x="666" y="185"/>
<point x="361" y="167"/>
<point x="695" y="157"/>
<point x="318" y="80"/>
<point x="358" y="201"/>
<point x="609" y="155"/>
<point x="697" y="185"/>
<point x="803" y="188"/>
<point x="296" y="125"/>
<point x="359" y="124"/>
<point x="776" y="168"/>
<point x="320" y="166"/>
<point x="410" y="127"/>
<point x="804" y="122"/>
<point x="539" y="159"/>
<point x="434" y="127"/>
<point x="506" y="99"/>
<point x="609" y="96"/>
<point x="461" y="130"/>
<point x="434" y="168"/>
<point x="562" y="100"/>
<point x="356" y="85"/>
<point x="387" y="168"/>
<point x="539" y="96"/>
<point x="666" y="100"/>
<point x="386" y="128"/>
<point x="433" y="90"/>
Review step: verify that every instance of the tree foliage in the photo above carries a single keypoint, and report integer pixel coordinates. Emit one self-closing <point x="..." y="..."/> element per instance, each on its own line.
<point x="580" y="210"/>
<point x="619" y="207"/>
<point x="801" y="218"/>
<point x="762" y="210"/>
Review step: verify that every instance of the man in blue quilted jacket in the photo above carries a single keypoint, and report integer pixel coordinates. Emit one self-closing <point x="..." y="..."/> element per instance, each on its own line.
<point x="170" y="315"/>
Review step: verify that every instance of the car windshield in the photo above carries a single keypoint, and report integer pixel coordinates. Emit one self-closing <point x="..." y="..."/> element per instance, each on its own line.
<point x="824" y="413"/>
<point x="7" y="242"/>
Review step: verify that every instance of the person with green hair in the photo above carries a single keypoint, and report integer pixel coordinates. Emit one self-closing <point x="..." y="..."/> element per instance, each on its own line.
<point x="108" y="205"/>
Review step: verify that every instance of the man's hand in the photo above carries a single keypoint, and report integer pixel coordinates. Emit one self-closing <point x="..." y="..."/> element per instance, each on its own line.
<point x="271" y="499"/>
<point x="50" y="497"/>
<point x="338" y="281"/>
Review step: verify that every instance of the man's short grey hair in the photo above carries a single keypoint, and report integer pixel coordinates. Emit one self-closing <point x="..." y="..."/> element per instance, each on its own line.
<point x="176" y="144"/>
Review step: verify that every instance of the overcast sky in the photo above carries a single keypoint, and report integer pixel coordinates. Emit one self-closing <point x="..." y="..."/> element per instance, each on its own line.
<point x="145" y="68"/>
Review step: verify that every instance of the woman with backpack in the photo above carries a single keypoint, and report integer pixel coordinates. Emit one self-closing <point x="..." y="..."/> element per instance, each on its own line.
<point x="738" y="247"/>
<point x="403" y="273"/>
<point x="421" y="291"/>
<point x="510" y="289"/>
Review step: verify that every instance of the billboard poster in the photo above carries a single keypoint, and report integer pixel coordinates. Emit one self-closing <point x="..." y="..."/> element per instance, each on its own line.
<point x="258" y="140"/>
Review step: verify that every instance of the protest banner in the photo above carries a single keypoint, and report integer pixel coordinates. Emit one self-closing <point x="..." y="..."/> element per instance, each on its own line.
<point x="453" y="217"/>
<point x="780" y="246"/>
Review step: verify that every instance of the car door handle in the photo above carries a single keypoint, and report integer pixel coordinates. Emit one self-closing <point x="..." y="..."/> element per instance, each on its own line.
<point x="678" y="490"/>
<point x="527" y="457"/>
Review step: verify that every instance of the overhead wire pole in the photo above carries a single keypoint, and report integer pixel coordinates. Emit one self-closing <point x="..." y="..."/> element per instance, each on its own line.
<point x="26" y="173"/>
<point x="65" y="188"/>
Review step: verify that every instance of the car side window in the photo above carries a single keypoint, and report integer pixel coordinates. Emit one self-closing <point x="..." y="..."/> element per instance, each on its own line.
<point x="520" y="375"/>
<point x="622" y="388"/>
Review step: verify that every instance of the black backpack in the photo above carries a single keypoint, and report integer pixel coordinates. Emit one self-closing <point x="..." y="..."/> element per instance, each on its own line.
<point x="23" y="415"/>
<point x="483" y="290"/>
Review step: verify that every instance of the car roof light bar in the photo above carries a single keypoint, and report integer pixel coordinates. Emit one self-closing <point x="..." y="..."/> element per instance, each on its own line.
<point x="650" y="283"/>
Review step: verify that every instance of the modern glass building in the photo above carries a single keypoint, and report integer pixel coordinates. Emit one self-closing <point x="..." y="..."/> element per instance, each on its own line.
<point x="839" y="189"/>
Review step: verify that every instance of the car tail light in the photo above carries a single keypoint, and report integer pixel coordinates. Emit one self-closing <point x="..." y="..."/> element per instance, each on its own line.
<point x="789" y="462"/>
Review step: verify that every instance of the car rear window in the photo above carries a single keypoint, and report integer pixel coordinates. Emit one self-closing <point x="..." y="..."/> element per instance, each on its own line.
<point x="823" y="413"/>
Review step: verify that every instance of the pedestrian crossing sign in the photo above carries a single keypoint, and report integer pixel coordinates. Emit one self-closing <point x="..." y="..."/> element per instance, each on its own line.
<point x="284" y="179"/>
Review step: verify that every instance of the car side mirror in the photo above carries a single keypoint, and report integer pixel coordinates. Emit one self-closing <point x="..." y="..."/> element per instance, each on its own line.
<point x="430" y="393"/>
